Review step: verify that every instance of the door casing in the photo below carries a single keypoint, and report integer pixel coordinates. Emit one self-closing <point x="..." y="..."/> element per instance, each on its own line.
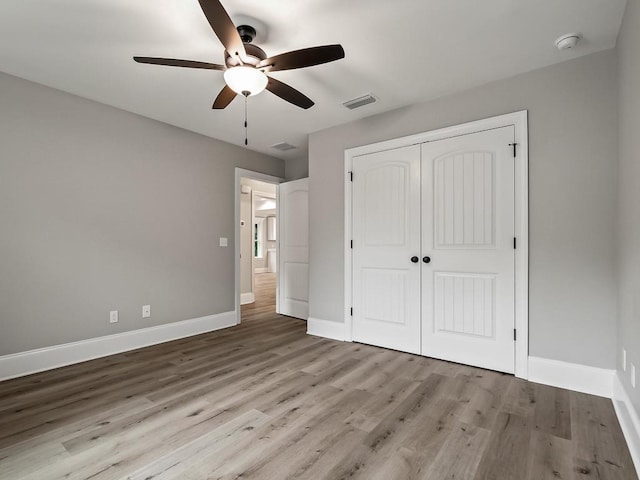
<point x="519" y="121"/>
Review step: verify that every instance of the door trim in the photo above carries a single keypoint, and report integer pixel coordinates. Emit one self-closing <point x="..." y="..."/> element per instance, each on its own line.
<point x="519" y="121"/>
<point x="263" y="177"/>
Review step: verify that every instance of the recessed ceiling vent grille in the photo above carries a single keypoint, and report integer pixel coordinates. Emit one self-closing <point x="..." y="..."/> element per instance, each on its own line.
<point x="360" y="101"/>
<point x="284" y="146"/>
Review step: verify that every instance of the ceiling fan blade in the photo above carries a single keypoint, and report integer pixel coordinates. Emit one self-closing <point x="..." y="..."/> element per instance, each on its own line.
<point x="224" y="28"/>
<point x="174" y="62"/>
<point x="289" y="94"/>
<point x="224" y="98"/>
<point x="305" y="57"/>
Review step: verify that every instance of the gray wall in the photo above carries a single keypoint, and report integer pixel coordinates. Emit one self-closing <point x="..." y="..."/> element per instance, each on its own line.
<point x="573" y="156"/>
<point x="104" y="210"/>
<point x="629" y="195"/>
<point x="296" y="169"/>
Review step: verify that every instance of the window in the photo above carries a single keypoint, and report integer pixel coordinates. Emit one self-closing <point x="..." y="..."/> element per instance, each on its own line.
<point x="258" y="236"/>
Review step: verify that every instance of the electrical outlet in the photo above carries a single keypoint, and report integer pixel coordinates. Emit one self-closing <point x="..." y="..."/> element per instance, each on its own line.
<point x="624" y="359"/>
<point x="633" y="375"/>
<point x="113" y="316"/>
<point x="146" y="311"/>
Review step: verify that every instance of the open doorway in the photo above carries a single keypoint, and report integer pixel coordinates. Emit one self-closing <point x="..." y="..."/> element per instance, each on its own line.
<point x="271" y="246"/>
<point x="258" y="246"/>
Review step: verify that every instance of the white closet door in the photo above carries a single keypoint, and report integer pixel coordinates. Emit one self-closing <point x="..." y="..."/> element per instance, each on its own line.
<point x="467" y="232"/>
<point x="293" y="249"/>
<point x="386" y="235"/>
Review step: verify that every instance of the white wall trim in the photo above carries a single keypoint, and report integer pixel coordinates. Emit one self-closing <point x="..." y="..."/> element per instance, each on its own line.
<point x="519" y="120"/>
<point x="261" y="270"/>
<point x="628" y="418"/>
<point x="33" y="361"/>
<point x="326" y="329"/>
<point x="246" y="298"/>
<point x="572" y="376"/>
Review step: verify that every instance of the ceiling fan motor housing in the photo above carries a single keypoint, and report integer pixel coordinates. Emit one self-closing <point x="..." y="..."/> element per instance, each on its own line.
<point x="254" y="55"/>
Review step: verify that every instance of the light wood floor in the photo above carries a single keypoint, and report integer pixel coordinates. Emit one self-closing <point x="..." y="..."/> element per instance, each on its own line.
<point x="266" y="401"/>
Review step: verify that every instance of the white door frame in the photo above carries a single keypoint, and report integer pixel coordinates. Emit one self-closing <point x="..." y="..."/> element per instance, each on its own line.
<point x="263" y="177"/>
<point x="519" y="122"/>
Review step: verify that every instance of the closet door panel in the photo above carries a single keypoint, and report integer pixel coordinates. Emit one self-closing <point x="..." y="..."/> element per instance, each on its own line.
<point x="386" y="235"/>
<point x="467" y="233"/>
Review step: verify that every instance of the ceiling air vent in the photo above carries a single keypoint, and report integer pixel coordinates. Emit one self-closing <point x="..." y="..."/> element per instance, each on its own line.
<point x="283" y="146"/>
<point x="360" y="101"/>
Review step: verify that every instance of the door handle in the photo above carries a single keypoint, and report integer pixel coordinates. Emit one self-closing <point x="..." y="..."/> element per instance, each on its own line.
<point x="426" y="259"/>
<point x="415" y="259"/>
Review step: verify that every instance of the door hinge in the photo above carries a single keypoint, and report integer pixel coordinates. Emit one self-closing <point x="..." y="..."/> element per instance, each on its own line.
<point x="351" y="311"/>
<point x="514" y="335"/>
<point x="351" y="176"/>
<point x="351" y="243"/>
<point x="514" y="145"/>
<point x="514" y="243"/>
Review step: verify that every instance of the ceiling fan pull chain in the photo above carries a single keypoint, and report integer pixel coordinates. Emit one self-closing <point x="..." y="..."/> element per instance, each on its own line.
<point x="246" y="135"/>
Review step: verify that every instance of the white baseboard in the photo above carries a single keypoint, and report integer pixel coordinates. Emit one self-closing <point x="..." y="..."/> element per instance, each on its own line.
<point x="572" y="376"/>
<point x="33" y="361"/>
<point x="326" y="328"/>
<point x="261" y="270"/>
<point x="628" y="418"/>
<point x="247" y="298"/>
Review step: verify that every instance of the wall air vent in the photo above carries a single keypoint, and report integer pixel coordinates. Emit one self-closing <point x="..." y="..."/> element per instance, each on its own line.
<point x="284" y="146"/>
<point x="360" y="101"/>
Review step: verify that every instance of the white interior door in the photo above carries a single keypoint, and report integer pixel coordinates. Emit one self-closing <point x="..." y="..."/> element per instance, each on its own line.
<point x="467" y="233"/>
<point x="386" y="235"/>
<point x="293" y="249"/>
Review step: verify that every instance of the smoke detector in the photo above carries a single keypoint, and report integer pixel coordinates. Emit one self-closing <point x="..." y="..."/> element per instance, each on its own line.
<point x="568" y="41"/>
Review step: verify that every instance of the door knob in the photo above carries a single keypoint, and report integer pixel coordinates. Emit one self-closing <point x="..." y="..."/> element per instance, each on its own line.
<point x="426" y="259"/>
<point x="415" y="259"/>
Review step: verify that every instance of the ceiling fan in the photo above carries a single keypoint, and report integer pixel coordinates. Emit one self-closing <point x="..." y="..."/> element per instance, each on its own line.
<point x="247" y="66"/>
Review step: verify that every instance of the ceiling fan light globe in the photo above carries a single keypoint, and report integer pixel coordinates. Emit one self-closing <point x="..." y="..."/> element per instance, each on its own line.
<point x="245" y="79"/>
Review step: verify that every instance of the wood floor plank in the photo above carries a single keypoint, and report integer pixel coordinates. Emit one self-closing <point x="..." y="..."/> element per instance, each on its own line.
<point x="269" y="438"/>
<point x="552" y="411"/>
<point x="370" y="414"/>
<point x="551" y="458"/>
<point x="599" y="446"/>
<point x="180" y="461"/>
<point x="419" y="447"/>
<point x="486" y="400"/>
<point x="461" y="454"/>
<point x="302" y="447"/>
<point x="508" y="449"/>
<point x="264" y="400"/>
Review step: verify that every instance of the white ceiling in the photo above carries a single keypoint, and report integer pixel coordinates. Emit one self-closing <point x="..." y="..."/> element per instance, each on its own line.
<point x="405" y="51"/>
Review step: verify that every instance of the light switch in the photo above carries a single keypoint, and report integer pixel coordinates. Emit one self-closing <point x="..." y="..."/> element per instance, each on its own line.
<point x="224" y="241"/>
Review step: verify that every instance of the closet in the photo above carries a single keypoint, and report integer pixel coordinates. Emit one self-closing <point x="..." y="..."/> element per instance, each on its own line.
<point x="433" y="263"/>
